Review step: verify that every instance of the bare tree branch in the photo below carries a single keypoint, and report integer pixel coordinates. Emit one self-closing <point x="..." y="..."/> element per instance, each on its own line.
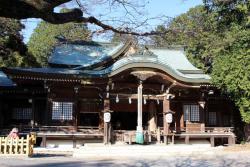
<point x="44" y="9"/>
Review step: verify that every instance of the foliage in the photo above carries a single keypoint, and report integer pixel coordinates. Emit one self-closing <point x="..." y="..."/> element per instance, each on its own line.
<point x="196" y="30"/>
<point x="230" y="11"/>
<point x="47" y="35"/>
<point x="13" y="51"/>
<point x="217" y="39"/>
<point x="231" y="70"/>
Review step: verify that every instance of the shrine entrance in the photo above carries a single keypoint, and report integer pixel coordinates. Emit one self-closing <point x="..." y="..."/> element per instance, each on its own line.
<point x="127" y="120"/>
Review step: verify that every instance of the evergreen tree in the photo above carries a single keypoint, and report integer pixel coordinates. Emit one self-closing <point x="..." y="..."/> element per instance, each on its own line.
<point x="13" y="51"/>
<point x="217" y="39"/>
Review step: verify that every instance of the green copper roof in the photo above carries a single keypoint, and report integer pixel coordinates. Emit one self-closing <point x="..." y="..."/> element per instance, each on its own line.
<point x="83" y="54"/>
<point x="119" y="58"/>
<point x="172" y="61"/>
<point x="5" y="81"/>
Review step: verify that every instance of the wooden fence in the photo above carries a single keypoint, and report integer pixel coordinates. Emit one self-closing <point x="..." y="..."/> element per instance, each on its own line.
<point x="18" y="146"/>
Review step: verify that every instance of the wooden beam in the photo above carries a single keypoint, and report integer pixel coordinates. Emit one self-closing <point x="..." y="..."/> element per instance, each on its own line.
<point x="135" y="96"/>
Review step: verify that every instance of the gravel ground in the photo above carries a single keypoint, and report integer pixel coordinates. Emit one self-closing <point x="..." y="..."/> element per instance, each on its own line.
<point x="222" y="158"/>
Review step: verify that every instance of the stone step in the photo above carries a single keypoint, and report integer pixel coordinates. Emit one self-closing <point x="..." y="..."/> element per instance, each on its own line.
<point x="137" y="150"/>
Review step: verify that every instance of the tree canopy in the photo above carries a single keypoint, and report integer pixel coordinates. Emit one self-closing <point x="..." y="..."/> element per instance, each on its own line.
<point x="13" y="51"/>
<point x="197" y="33"/>
<point x="231" y="70"/>
<point x="220" y="44"/>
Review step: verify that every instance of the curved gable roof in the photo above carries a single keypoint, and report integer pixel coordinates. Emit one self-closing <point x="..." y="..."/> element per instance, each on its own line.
<point x="85" y="54"/>
<point x="172" y="61"/>
<point x="107" y="60"/>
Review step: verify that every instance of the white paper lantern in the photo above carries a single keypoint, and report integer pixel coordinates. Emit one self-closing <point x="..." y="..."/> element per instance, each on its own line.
<point x="169" y="117"/>
<point x="107" y="117"/>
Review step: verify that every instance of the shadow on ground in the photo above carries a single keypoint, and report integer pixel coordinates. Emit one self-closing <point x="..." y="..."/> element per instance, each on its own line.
<point x="43" y="155"/>
<point x="166" y="161"/>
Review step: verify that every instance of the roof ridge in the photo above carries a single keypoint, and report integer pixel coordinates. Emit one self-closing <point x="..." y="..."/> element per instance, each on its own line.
<point x="169" y="47"/>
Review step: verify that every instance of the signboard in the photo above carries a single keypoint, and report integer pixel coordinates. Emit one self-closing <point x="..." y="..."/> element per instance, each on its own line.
<point x="169" y="117"/>
<point x="107" y="117"/>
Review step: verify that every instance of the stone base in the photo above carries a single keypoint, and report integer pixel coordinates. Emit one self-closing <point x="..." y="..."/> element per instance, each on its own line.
<point x="139" y="138"/>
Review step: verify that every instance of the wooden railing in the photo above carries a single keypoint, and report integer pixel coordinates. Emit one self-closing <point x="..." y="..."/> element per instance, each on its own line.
<point x="24" y="130"/>
<point x="195" y="129"/>
<point x="18" y="146"/>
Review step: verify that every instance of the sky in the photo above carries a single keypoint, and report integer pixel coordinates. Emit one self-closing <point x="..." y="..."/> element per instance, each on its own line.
<point x="171" y="8"/>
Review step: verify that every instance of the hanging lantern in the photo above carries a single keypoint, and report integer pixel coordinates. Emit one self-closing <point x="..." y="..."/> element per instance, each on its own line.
<point x="107" y="88"/>
<point x="158" y="101"/>
<point x="107" y="95"/>
<point x="30" y="100"/>
<point x="117" y="99"/>
<point x="129" y="100"/>
<point x="162" y="87"/>
<point x="210" y="92"/>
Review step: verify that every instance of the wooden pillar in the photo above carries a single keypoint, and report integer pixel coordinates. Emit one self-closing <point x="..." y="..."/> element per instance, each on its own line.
<point x="158" y="135"/>
<point x="44" y="141"/>
<point x="202" y="111"/>
<point x="179" y="122"/>
<point x="1" y="112"/>
<point x="187" y="139"/>
<point x="152" y="117"/>
<point x="33" y="112"/>
<point x="47" y="113"/>
<point x="105" y="107"/>
<point x="166" y="108"/>
<point x="172" y="139"/>
<point x="231" y="140"/>
<point x="212" y="141"/>
<point x="107" y="126"/>
<point x="76" y="109"/>
<point x="74" y="141"/>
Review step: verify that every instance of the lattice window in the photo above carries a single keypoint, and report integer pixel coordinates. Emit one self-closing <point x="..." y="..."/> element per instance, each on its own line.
<point x="22" y="113"/>
<point x="62" y="110"/>
<point x="191" y="113"/>
<point x="212" y="118"/>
